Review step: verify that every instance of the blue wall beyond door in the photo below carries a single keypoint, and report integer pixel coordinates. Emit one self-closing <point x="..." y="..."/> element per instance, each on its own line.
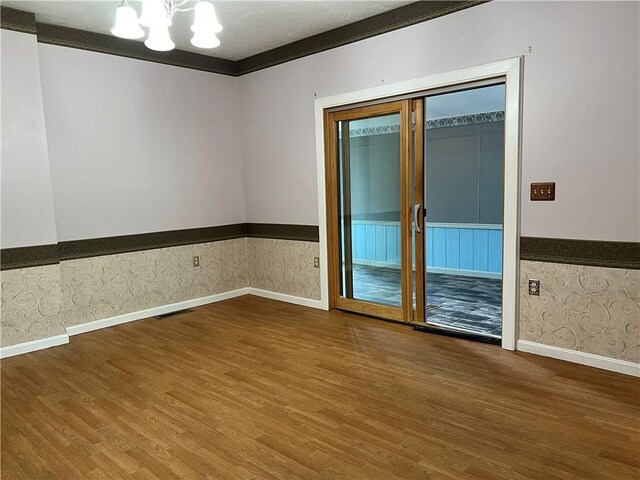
<point x="450" y="248"/>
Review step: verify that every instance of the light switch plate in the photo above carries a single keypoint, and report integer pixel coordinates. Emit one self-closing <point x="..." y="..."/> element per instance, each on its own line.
<point x="543" y="191"/>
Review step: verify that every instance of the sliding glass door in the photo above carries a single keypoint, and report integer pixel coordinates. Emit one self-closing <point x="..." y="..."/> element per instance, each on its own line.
<point x="371" y="264"/>
<point x="415" y="207"/>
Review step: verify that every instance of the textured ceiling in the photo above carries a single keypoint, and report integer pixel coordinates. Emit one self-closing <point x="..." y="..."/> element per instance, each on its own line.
<point x="250" y="27"/>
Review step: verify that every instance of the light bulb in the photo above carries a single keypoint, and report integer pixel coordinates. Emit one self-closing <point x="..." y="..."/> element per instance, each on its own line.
<point x="205" y="40"/>
<point x="159" y="39"/>
<point x="127" y="23"/>
<point x="205" y="18"/>
<point x="154" y="14"/>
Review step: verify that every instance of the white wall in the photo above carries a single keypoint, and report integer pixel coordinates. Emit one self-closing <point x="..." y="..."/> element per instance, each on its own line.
<point x="580" y="120"/>
<point x="139" y="147"/>
<point x="27" y="215"/>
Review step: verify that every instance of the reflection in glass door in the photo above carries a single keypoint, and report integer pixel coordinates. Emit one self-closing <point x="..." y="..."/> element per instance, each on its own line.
<point x="463" y="193"/>
<point x="372" y="223"/>
<point x="370" y="208"/>
<point x="416" y="209"/>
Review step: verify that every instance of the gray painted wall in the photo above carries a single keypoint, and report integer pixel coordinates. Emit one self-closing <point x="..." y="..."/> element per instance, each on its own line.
<point x="139" y="147"/>
<point x="464" y="173"/>
<point x="375" y="177"/>
<point x="27" y="213"/>
<point x="580" y="110"/>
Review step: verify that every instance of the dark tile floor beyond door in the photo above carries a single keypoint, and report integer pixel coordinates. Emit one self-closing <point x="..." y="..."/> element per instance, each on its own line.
<point x="469" y="303"/>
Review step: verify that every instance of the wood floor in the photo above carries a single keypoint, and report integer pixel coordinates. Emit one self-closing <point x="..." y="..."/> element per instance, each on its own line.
<point x="253" y="388"/>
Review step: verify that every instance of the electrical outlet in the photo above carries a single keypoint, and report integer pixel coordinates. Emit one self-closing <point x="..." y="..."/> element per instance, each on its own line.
<point x="196" y="260"/>
<point x="316" y="262"/>
<point x="534" y="287"/>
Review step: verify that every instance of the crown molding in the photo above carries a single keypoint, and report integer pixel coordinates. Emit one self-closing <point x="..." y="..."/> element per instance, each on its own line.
<point x="17" y="20"/>
<point x="405" y="16"/>
<point x="369" y="27"/>
<point x="110" y="44"/>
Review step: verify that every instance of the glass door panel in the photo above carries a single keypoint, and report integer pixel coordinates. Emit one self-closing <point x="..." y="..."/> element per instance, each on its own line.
<point x="370" y="209"/>
<point x="463" y="193"/>
<point x="372" y="229"/>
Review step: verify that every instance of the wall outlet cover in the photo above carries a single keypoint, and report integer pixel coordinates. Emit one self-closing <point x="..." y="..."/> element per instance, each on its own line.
<point x="196" y="260"/>
<point x="316" y="262"/>
<point x="534" y="287"/>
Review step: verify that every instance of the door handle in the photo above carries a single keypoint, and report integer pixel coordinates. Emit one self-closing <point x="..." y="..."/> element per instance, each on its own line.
<point x="416" y="209"/>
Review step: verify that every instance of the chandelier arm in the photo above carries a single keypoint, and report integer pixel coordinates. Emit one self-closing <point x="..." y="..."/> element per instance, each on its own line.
<point x="175" y="5"/>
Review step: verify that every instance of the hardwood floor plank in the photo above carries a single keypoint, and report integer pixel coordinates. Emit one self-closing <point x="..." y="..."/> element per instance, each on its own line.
<point x="251" y="388"/>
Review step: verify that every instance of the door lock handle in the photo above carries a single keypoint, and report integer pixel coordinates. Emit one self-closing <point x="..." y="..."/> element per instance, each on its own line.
<point x="416" y="210"/>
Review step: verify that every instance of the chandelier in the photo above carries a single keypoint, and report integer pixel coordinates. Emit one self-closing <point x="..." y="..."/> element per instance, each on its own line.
<point x="157" y="15"/>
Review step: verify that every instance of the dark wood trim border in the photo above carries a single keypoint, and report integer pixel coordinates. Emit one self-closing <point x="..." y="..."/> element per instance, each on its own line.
<point x="581" y="252"/>
<point x="24" y="257"/>
<point x="17" y="20"/>
<point x="302" y="233"/>
<point x="405" y="16"/>
<point x="575" y="252"/>
<point x="147" y="241"/>
<point x="99" y="42"/>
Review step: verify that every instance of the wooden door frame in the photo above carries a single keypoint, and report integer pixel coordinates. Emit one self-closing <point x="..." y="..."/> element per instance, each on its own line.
<point x="403" y="108"/>
<point x="511" y="70"/>
<point x="418" y="199"/>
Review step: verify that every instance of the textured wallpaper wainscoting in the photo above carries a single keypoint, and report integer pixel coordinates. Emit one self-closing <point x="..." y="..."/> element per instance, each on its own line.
<point x="284" y="266"/>
<point x="582" y="308"/>
<point x="31" y="304"/>
<point x="39" y="302"/>
<point x="102" y="287"/>
<point x="589" y="309"/>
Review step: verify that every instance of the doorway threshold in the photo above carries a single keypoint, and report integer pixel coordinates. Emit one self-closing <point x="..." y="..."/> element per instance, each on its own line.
<point x="456" y="333"/>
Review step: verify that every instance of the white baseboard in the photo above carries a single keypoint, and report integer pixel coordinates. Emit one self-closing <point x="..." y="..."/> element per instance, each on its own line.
<point x="283" y="297"/>
<point x="34" y="345"/>
<point x="150" y="312"/>
<point x="598" y="361"/>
